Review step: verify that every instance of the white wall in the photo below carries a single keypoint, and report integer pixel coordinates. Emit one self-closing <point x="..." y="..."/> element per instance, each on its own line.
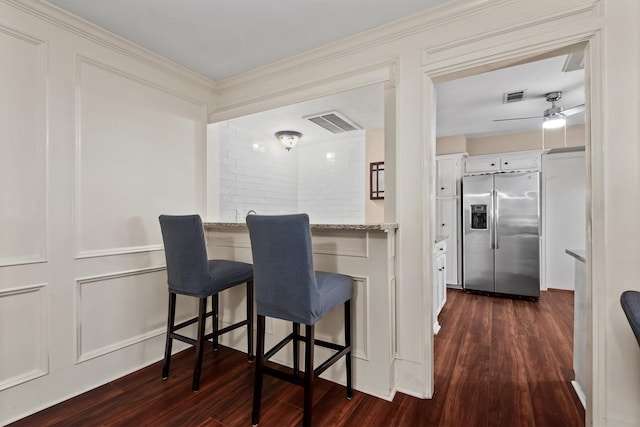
<point x="97" y="139"/>
<point x="322" y="178"/>
<point x="564" y="196"/>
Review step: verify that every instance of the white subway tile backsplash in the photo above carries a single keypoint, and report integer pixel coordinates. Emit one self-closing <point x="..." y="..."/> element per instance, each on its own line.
<point x="324" y="179"/>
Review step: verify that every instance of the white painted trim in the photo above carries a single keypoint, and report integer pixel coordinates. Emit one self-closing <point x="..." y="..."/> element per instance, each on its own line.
<point x="364" y="352"/>
<point x="410" y="393"/>
<point x="428" y="163"/>
<point x="118" y="251"/>
<point x="54" y="15"/>
<point x="509" y="46"/>
<point x="596" y="313"/>
<point x="83" y="357"/>
<point x="580" y="393"/>
<point x="378" y="72"/>
<point x="44" y="339"/>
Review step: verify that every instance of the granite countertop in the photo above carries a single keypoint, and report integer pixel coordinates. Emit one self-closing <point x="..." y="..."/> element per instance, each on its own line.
<point x="578" y="254"/>
<point x="363" y="227"/>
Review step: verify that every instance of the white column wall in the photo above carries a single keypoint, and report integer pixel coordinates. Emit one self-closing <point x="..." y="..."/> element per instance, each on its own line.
<point x="97" y="138"/>
<point x="615" y="260"/>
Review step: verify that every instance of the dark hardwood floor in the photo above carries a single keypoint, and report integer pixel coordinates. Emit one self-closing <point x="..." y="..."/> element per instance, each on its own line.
<point x="498" y="362"/>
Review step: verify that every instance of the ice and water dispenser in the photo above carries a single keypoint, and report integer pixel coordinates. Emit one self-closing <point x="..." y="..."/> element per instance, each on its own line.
<point x="478" y="217"/>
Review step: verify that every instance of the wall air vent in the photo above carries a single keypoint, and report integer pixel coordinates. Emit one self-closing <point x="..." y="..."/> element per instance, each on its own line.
<point x="510" y="97"/>
<point x="333" y="121"/>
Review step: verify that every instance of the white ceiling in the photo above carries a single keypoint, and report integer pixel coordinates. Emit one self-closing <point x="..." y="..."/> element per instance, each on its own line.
<point x="469" y="105"/>
<point x="363" y="106"/>
<point x="464" y="106"/>
<point x="219" y="39"/>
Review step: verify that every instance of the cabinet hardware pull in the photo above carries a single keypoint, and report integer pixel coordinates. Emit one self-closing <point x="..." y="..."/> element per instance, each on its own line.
<point x="493" y="164"/>
<point x="442" y="188"/>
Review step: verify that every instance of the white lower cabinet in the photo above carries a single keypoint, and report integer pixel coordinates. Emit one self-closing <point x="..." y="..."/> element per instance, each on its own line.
<point x="447" y="226"/>
<point x="439" y="282"/>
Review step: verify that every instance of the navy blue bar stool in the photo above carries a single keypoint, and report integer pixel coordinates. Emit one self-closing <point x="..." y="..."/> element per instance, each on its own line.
<point x="189" y="272"/>
<point x="630" y="301"/>
<point x="287" y="287"/>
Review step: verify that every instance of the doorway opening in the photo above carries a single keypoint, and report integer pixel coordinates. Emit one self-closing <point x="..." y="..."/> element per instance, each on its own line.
<point x="458" y="97"/>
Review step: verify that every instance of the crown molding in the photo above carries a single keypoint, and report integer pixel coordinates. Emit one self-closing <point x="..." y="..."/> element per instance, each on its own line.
<point x="429" y="19"/>
<point x="47" y="12"/>
<point x="378" y="72"/>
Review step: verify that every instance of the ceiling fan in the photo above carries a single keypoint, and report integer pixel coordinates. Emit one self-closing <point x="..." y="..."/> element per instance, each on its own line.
<point x="554" y="117"/>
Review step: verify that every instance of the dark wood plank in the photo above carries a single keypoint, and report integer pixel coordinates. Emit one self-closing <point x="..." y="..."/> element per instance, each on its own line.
<point x="509" y="396"/>
<point x="498" y="362"/>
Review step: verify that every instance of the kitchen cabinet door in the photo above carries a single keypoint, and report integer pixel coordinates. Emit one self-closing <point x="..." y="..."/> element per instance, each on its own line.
<point x="447" y="216"/>
<point x="481" y="165"/>
<point x="447" y="175"/>
<point x="520" y="163"/>
<point x="439" y="282"/>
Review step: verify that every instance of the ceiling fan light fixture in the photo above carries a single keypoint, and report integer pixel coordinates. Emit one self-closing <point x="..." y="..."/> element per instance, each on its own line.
<point x="288" y="138"/>
<point x="554" y="121"/>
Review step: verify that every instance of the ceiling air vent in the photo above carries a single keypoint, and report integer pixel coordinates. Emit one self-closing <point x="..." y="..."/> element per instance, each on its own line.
<point x="574" y="61"/>
<point x="333" y="121"/>
<point x="510" y="97"/>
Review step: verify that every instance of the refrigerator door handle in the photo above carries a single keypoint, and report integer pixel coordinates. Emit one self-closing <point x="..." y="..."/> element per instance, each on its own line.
<point x="491" y="223"/>
<point x="496" y="218"/>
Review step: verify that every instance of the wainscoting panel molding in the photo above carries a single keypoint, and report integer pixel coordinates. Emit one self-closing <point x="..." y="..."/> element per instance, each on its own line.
<point x="23" y="334"/>
<point x="117" y="310"/>
<point x="143" y="131"/>
<point x="23" y="151"/>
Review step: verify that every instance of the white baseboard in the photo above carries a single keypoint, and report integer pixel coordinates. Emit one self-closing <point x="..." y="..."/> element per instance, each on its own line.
<point x="578" y="388"/>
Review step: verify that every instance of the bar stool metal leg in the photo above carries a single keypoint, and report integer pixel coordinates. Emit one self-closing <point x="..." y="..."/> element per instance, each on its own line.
<point x="296" y="348"/>
<point x="202" y="316"/>
<point x="215" y="303"/>
<point x="167" y="349"/>
<point x="308" y="374"/>
<point x="250" y="320"/>
<point x="257" y="384"/>
<point x="347" y="343"/>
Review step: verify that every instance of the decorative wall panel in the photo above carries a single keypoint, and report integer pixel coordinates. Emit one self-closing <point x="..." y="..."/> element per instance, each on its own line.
<point x="23" y="123"/>
<point x="135" y="139"/>
<point x="121" y="309"/>
<point x="23" y="335"/>
<point x="334" y="321"/>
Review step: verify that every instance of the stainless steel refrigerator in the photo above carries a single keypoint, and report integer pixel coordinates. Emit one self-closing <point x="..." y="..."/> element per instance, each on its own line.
<point x="501" y="239"/>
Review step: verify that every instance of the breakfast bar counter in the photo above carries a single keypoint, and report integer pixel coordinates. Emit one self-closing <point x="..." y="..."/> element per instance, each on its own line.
<point x="364" y="251"/>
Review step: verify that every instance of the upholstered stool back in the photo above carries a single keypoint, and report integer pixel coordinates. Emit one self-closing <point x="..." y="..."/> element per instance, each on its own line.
<point x="186" y="254"/>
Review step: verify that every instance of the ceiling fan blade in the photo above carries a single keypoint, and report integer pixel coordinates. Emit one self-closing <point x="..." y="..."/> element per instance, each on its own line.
<point x="518" y="118"/>
<point x="573" y="110"/>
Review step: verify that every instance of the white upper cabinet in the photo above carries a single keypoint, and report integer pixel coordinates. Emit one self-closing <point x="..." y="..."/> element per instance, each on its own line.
<point x="473" y="165"/>
<point x="508" y="162"/>
<point x="447" y="175"/>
